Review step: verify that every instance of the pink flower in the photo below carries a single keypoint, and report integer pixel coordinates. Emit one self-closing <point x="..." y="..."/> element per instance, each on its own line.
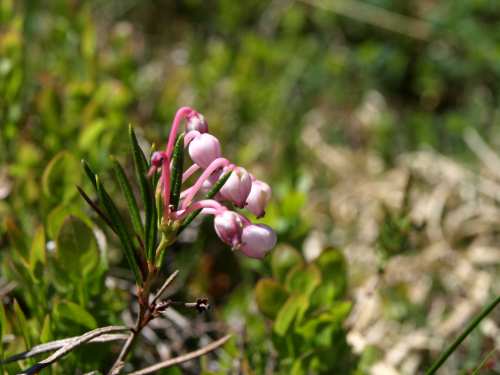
<point x="228" y="226"/>
<point x="259" y="196"/>
<point x="237" y="187"/>
<point x="196" y="121"/>
<point x="204" y="149"/>
<point x="257" y="240"/>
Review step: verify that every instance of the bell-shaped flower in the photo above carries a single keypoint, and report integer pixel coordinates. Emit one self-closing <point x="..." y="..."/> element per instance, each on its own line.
<point x="257" y="240"/>
<point x="196" y="121"/>
<point x="259" y="196"/>
<point x="228" y="226"/>
<point x="204" y="149"/>
<point x="237" y="187"/>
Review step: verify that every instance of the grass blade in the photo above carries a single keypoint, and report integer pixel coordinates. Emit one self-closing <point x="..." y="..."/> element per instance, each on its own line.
<point x="468" y="329"/>
<point x="177" y="167"/>
<point x="129" y="196"/>
<point x="121" y="231"/>
<point x="215" y="189"/>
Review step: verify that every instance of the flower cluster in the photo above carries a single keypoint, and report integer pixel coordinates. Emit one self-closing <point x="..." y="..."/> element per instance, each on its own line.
<point x="241" y="189"/>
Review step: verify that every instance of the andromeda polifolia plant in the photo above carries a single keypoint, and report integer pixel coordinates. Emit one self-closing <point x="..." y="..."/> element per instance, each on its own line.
<point x="168" y="207"/>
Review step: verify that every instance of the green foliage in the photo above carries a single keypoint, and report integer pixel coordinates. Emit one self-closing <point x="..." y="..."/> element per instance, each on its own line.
<point x="77" y="253"/>
<point x="270" y="297"/>
<point x="59" y="178"/>
<point x="305" y="303"/>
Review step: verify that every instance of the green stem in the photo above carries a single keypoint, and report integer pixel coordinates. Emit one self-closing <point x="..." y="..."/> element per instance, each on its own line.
<point x="462" y="337"/>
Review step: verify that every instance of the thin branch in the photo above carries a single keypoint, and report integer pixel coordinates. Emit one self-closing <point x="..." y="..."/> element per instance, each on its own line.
<point x="35" y="369"/>
<point x="120" y="360"/>
<point x="165" y="285"/>
<point x="377" y="16"/>
<point x="54" y="345"/>
<point x="183" y="358"/>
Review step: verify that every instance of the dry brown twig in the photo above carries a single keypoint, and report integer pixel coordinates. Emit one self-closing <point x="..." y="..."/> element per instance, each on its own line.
<point x="146" y="314"/>
<point x="80" y="340"/>
<point x="183" y="358"/>
<point x="57" y="344"/>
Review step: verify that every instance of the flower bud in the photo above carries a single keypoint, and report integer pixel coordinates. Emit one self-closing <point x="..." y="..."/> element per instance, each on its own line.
<point x="157" y="159"/>
<point x="259" y="196"/>
<point x="228" y="226"/>
<point x="196" y="121"/>
<point x="237" y="187"/>
<point x="204" y="149"/>
<point x="257" y="240"/>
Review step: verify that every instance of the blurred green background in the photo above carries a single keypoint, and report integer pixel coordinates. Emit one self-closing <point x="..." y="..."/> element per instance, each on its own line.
<point x="282" y="83"/>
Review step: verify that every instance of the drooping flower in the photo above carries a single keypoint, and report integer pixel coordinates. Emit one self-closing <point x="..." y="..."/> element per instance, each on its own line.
<point x="229" y="226"/>
<point x="259" y="197"/>
<point x="204" y="149"/>
<point x="237" y="187"/>
<point x="257" y="240"/>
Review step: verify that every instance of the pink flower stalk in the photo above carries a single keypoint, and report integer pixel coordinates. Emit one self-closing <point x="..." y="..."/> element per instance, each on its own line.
<point x="189" y="172"/>
<point x="216" y="164"/>
<point x="259" y="197"/>
<point x="257" y="240"/>
<point x="237" y="187"/>
<point x="209" y="183"/>
<point x="165" y="171"/>
<point x="204" y="149"/>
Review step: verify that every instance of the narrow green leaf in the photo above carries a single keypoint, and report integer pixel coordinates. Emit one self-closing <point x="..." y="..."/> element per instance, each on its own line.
<point x="46" y="333"/>
<point x="121" y="230"/>
<point x="129" y="196"/>
<point x="177" y="168"/>
<point x="215" y="189"/>
<point x="22" y="324"/>
<point x="141" y="170"/>
<point x="16" y="237"/>
<point x="90" y="173"/>
<point x="96" y="208"/>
